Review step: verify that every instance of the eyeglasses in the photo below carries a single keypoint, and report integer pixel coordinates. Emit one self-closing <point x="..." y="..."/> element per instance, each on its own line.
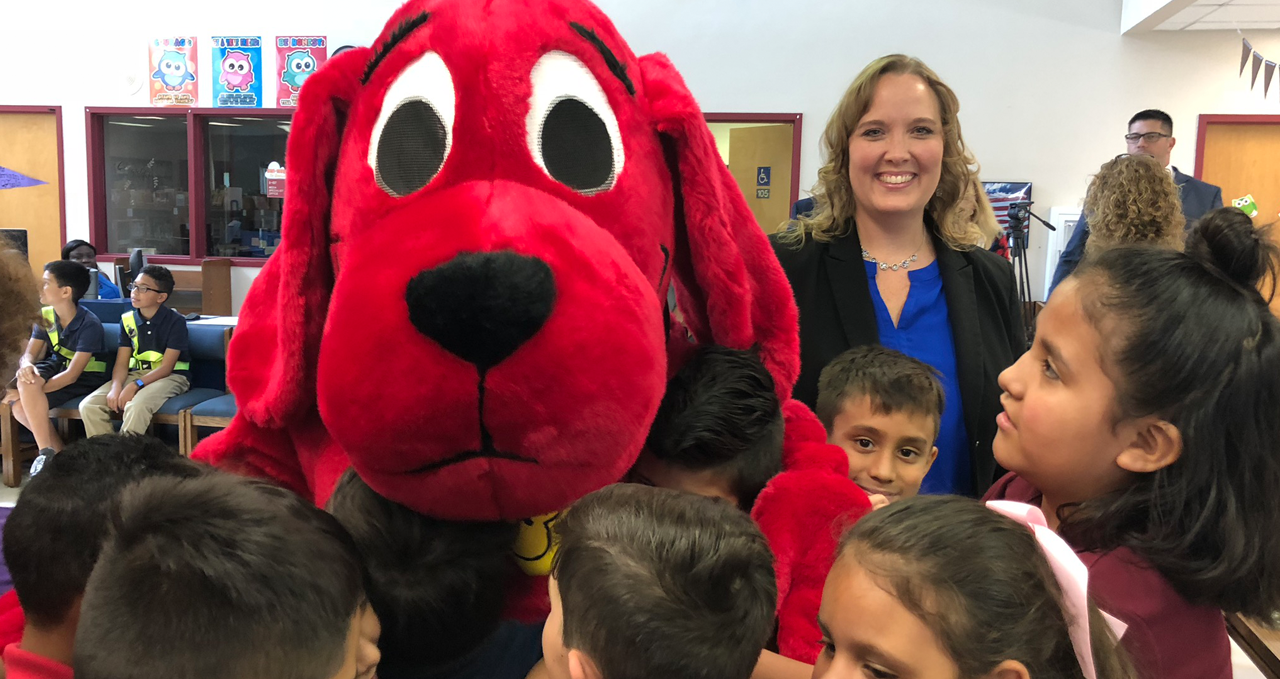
<point x="142" y="288"/>
<point x="1149" y="137"/>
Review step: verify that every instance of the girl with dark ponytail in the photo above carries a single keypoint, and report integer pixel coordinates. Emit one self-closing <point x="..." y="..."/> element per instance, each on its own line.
<point x="1145" y="422"/>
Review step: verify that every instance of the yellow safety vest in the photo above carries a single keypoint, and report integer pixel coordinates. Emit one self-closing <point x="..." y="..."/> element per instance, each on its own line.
<point x="143" y="360"/>
<point x="51" y="317"/>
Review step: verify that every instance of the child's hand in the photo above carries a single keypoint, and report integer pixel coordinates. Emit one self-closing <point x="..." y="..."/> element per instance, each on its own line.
<point x="113" y="398"/>
<point x="878" y="501"/>
<point x="28" y="374"/>
<point x="130" y="390"/>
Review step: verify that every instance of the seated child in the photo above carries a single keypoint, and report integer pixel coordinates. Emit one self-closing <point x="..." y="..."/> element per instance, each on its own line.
<point x="1143" y="423"/>
<point x="438" y="588"/>
<point x="884" y="409"/>
<point x="941" y="586"/>
<point x="718" y="431"/>
<point x="151" y="364"/>
<point x="59" y="364"/>
<point x="223" y="577"/>
<point x="54" y="533"/>
<point x="650" y="582"/>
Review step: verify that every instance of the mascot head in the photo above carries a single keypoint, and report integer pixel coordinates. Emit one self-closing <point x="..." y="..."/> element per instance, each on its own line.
<point x="485" y="211"/>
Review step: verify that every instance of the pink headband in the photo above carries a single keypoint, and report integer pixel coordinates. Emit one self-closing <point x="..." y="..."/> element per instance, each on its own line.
<point x="1072" y="575"/>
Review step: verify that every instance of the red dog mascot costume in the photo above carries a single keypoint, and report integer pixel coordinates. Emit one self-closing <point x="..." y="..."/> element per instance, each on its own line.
<point x="484" y="213"/>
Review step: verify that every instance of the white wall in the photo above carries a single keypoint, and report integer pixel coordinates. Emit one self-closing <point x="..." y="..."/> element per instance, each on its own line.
<point x="1046" y="85"/>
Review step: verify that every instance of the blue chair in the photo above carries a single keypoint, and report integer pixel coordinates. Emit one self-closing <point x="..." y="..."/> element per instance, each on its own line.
<point x="208" y="349"/>
<point x="108" y="311"/>
<point x="216" y="413"/>
<point x="13" y="453"/>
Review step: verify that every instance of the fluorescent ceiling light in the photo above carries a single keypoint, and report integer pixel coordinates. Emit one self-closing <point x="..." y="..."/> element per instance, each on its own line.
<point x="247" y="118"/>
<point x="117" y="122"/>
<point x="148" y="118"/>
<point x="214" y="122"/>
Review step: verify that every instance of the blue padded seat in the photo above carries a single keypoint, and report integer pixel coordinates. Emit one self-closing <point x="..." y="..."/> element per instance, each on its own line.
<point x="222" y="406"/>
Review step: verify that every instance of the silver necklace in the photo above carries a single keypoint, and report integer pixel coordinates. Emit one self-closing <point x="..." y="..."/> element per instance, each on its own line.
<point x="887" y="267"/>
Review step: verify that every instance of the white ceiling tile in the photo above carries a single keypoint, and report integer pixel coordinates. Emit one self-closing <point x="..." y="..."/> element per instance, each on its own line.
<point x="1244" y="13"/>
<point x="1232" y="25"/>
<point x="1192" y="14"/>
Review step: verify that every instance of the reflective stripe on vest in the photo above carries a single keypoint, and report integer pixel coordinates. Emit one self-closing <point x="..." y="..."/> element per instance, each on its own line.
<point x="143" y="360"/>
<point x="50" y="317"/>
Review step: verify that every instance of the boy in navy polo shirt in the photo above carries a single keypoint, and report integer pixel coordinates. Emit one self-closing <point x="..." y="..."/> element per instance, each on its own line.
<point x="59" y="364"/>
<point x="151" y="364"/>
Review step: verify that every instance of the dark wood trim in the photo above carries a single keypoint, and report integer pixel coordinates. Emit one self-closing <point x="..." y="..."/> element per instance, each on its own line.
<point x="197" y="192"/>
<point x="1225" y="119"/>
<point x="795" y="119"/>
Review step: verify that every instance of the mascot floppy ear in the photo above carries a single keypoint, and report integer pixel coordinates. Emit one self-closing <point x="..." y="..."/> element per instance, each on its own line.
<point x="271" y="364"/>
<point x="732" y="289"/>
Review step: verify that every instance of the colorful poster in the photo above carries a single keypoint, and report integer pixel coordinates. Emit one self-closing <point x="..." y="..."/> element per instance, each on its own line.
<point x="237" y="71"/>
<point x="297" y="57"/>
<point x="173" y="72"/>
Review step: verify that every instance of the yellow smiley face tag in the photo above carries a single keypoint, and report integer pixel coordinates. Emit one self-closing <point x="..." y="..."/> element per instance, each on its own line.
<point x="536" y="544"/>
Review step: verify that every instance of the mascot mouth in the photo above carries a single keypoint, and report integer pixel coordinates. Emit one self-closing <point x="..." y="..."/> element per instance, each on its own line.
<point x="487" y="449"/>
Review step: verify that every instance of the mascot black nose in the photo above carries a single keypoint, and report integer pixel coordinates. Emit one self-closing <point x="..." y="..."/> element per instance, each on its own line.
<point x="481" y="306"/>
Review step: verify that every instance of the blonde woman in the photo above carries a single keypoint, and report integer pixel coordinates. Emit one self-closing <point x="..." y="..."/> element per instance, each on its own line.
<point x="883" y="259"/>
<point x="1131" y="201"/>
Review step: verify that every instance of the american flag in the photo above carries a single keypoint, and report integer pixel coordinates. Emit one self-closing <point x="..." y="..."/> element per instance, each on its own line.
<point x="1001" y="195"/>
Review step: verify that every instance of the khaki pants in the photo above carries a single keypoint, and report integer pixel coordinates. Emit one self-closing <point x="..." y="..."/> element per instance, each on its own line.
<point x="137" y="412"/>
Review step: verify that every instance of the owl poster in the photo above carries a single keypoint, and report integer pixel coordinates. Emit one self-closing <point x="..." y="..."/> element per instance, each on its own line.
<point x="237" y="72"/>
<point x="297" y="57"/>
<point x="173" y="72"/>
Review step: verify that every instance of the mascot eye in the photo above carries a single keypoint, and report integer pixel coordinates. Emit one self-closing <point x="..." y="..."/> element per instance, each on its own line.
<point x="415" y="127"/>
<point x="572" y="131"/>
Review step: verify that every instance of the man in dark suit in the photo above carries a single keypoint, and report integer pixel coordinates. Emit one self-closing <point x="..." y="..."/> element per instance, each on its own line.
<point x="1151" y="134"/>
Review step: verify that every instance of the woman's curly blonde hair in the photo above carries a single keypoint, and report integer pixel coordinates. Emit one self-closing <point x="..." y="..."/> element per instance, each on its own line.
<point x="19" y="307"/>
<point x="833" y="196"/>
<point x="1133" y="200"/>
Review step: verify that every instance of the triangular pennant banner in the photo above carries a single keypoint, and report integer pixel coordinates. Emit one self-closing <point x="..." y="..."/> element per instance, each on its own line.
<point x="1268" y="70"/>
<point x="15" y="180"/>
<point x="1244" y="56"/>
<point x="1257" y="65"/>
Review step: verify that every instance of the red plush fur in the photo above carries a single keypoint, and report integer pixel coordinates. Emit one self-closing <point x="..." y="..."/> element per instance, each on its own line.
<point x="329" y="372"/>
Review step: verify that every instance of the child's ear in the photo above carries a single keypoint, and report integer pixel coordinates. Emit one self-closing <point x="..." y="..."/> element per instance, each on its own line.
<point x="166" y="297"/>
<point x="581" y="666"/>
<point x="1009" y="669"/>
<point x="1156" y="444"/>
<point x="933" y="455"/>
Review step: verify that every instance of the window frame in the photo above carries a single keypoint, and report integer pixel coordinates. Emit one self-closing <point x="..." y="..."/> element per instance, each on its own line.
<point x="197" y="193"/>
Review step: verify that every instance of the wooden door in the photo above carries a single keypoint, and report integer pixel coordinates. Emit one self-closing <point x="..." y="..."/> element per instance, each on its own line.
<point x="30" y="188"/>
<point x="760" y="161"/>
<point x="1241" y="158"/>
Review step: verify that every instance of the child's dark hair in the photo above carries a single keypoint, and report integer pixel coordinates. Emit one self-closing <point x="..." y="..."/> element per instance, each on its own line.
<point x="659" y="583"/>
<point x="438" y="587"/>
<point x="53" y="536"/>
<point x="893" y="381"/>
<point x="219" y="577"/>
<point x="162" y="276"/>
<point x="70" y="275"/>
<point x="1189" y="339"/>
<point x="73" y="245"/>
<point x="721" y="411"/>
<point x="982" y="585"/>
